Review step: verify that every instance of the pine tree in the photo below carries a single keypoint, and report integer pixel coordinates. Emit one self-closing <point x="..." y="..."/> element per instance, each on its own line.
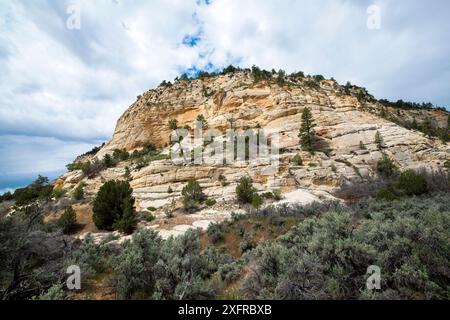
<point x="379" y="140"/>
<point x="306" y="134"/>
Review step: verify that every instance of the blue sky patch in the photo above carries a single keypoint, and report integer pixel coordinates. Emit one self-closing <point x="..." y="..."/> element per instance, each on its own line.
<point x="191" y="41"/>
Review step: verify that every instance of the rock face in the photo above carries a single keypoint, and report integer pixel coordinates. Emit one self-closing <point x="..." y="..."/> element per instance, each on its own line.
<point x="345" y="121"/>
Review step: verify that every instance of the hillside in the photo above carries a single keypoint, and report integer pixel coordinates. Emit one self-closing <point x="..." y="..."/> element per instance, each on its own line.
<point x="347" y="120"/>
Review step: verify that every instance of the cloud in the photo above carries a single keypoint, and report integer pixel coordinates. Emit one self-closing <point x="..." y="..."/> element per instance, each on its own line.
<point x="407" y="58"/>
<point x="72" y="85"/>
<point x="24" y="155"/>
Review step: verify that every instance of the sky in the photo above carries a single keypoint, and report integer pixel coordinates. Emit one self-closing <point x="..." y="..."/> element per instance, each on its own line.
<point x="69" y="69"/>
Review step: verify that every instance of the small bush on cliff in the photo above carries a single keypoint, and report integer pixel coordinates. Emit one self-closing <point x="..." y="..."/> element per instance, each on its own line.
<point x="379" y="140"/>
<point x="113" y="207"/>
<point x="297" y="160"/>
<point x="411" y="183"/>
<point x="216" y="232"/>
<point x="67" y="220"/>
<point x="120" y="155"/>
<point x="223" y="180"/>
<point x="257" y="201"/>
<point x="192" y="195"/>
<point x="245" y="190"/>
<point x="59" y="192"/>
<point x="386" y="167"/>
<point x="78" y="193"/>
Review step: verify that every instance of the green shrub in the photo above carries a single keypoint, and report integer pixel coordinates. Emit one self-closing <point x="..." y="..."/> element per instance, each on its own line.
<point x="192" y="195"/>
<point x="379" y="140"/>
<point x="89" y="257"/>
<point x="245" y="190"/>
<point x="150" y="218"/>
<point x="7" y="196"/>
<point x="447" y="164"/>
<point x="67" y="220"/>
<point x="78" y="193"/>
<point x="108" y="161"/>
<point x="257" y="201"/>
<point x="39" y="189"/>
<point x="246" y="244"/>
<point x="412" y="183"/>
<point x="152" y="209"/>
<point x="312" y="84"/>
<point x="277" y="195"/>
<point x="386" y="166"/>
<point x="386" y="194"/>
<point x="210" y="202"/>
<point x="169" y="190"/>
<point x="59" y="192"/>
<point x="223" y="180"/>
<point x="55" y="292"/>
<point x="260" y="75"/>
<point x="230" y="272"/>
<point x="114" y="207"/>
<point x="297" y="160"/>
<point x="141" y="163"/>
<point x="127" y="174"/>
<point x="216" y="232"/>
<point x="407" y="239"/>
<point x="362" y="146"/>
<point x="120" y="155"/>
<point x="127" y="222"/>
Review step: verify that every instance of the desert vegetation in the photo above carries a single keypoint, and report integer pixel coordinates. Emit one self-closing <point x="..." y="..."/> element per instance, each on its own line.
<point x="317" y="251"/>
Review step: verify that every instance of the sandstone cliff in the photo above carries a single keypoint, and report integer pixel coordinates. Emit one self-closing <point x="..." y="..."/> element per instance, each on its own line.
<point x="345" y="118"/>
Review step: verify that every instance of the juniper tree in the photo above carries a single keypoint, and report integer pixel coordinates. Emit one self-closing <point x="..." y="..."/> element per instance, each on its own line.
<point x="379" y="140"/>
<point x="113" y="207"/>
<point x="306" y="130"/>
<point x="192" y="195"/>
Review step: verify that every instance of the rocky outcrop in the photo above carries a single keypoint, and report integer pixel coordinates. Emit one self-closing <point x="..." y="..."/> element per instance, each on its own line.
<point x="344" y="124"/>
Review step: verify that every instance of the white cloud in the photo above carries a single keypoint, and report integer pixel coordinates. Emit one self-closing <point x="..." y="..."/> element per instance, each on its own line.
<point x="407" y="58"/>
<point x="24" y="155"/>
